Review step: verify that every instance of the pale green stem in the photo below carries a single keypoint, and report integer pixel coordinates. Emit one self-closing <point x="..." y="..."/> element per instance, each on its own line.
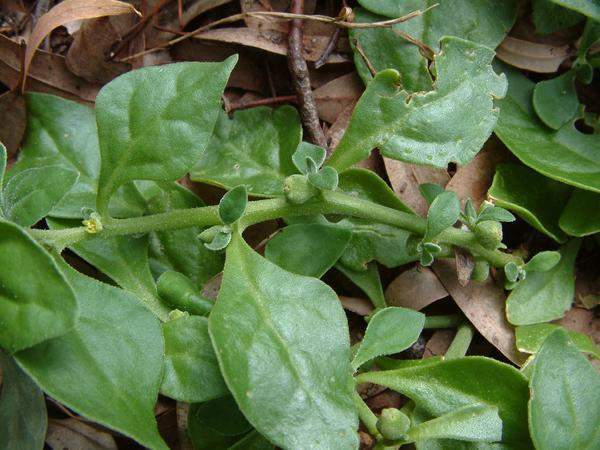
<point x="262" y="210"/>
<point x="449" y="321"/>
<point x="366" y="416"/>
<point x="461" y="342"/>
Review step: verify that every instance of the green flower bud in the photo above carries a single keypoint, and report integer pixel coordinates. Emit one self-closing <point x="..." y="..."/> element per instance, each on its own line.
<point x="481" y="270"/>
<point x="393" y="424"/>
<point x="298" y="190"/>
<point x="178" y="291"/>
<point x="489" y="234"/>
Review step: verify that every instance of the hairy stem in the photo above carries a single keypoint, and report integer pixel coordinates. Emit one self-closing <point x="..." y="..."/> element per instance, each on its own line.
<point x="366" y="416"/>
<point x="330" y="202"/>
<point x="461" y="342"/>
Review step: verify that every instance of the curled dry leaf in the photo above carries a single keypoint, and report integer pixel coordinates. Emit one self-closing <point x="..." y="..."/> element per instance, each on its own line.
<point x="72" y="434"/>
<point x="87" y="56"/>
<point x="474" y="179"/>
<point x="483" y="304"/>
<point x="533" y="56"/>
<point x="337" y="129"/>
<point x="464" y="266"/>
<point x="273" y="41"/>
<point x="438" y="343"/>
<point x="335" y="96"/>
<point x="415" y="288"/>
<point x="183" y="410"/>
<point x="65" y="12"/>
<point x="357" y="305"/>
<point x="14" y="115"/>
<point x="405" y="179"/>
<point x="48" y="73"/>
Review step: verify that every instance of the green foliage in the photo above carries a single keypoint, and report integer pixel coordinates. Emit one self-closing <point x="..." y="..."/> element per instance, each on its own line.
<point x="147" y="133"/>
<point x="565" y="397"/>
<point x="390" y="330"/>
<point x="307" y="249"/>
<point x="589" y="8"/>
<point x="549" y="17"/>
<point x="482" y="22"/>
<point x="566" y="155"/>
<point x="581" y="216"/>
<point x="530" y="338"/>
<point x="254" y="148"/>
<point x="23" y="418"/>
<point x="179" y="291"/>
<point x="417" y="127"/>
<point x="545" y="296"/>
<point x="191" y="371"/>
<point x="36" y="304"/>
<point x="233" y="205"/>
<point x="109" y="367"/>
<point x="555" y="101"/>
<point x="251" y="329"/>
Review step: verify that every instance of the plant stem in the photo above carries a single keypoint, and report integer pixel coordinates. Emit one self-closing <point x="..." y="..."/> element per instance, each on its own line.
<point x="449" y="321"/>
<point x="330" y="202"/>
<point x="460" y="344"/>
<point x="366" y="416"/>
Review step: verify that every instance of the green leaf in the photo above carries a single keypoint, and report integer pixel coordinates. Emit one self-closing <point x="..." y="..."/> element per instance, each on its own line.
<point x="62" y="132"/>
<point x="542" y="261"/>
<point x="179" y="291"/>
<point x="443" y="387"/>
<point x="266" y="318"/>
<point x="109" y="367"/>
<point x="566" y="155"/>
<point x="178" y="250"/>
<point x="23" y="418"/>
<point x="154" y="122"/>
<point x="430" y="191"/>
<point x="475" y="423"/>
<point x="549" y="17"/>
<point x="368" y="185"/>
<point x="307" y="249"/>
<point x="581" y="216"/>
<point x="303" y="152"/>
<point x="417" y="128"/>
<point x="583" y="67"/>
<point x="590" y="8"/>
<point x="216" y="424"/>
<point x="220" y="241"/>
<point x="368" y="280"/>
<point x="254" y="148"/>
<point x="324" y="179"/>
<point x="565" y="397"/>
<point x="31" y="194"/>
<point x="36" y="301"/>
<point x="494" y="213"/>
<point x="443" y="213"/>
<point x="122" y="258"/>
<point x="191" y="371"/>
<point x="530" y="338"/>
<point x="555" y="101"/>
<point x="483" y="22"/>
<point x="233" y="204"/>
<point x="545" y="296"/>
<point x="536" y="199"/>
<point x="2" y="169"/>
<point x="390" y="330"/>
<point x="252" y="441"/>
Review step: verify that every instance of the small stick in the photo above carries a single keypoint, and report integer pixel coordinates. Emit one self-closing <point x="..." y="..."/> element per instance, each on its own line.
<point x="331" y="45"/>
<point x="301" y="79"/>
<point x="362" y="54"/>
<point x="289" y="16"/>
<point x="264" y="102"/>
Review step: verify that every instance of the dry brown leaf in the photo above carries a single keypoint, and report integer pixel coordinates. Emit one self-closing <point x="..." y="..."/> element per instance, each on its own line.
<point x="338" y="127"/>
<point x="405" y="180"/>
<point x="309" y="27"/>
<point x="71" y="434"/>
<point x="360" y="306"/>
<point x="87" y="56"/>
<point x="483" y="304"/>
<point x="183" y="410"/>
<point x="14" y="118"/>
<point x="438" y="343"/>
<point x="273" y="41"/>
<point x="474" y="179"/>
<point x="65" y="12"/>
<point x="583" y="321"/>
<point x="464" y="266"/>
<point x="533" y="56"/>
<point x="169" y="17"/>
<point x="415" y="288"/>
<point x="334" y="97"/>
<point x="48" y="73"/>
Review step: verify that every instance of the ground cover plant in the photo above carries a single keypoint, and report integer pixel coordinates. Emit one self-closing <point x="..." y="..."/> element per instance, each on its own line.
<point x="405" y="256"/>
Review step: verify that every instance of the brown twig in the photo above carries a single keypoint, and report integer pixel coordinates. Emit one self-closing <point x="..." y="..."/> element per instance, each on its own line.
<point x="331" y="45"/>
<point x="342" y="23"/>
<point x="301" y="79"/>
<point x="263" y="102"/>
<point x="426" y="50"/>
<point x="366" y="60"/>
